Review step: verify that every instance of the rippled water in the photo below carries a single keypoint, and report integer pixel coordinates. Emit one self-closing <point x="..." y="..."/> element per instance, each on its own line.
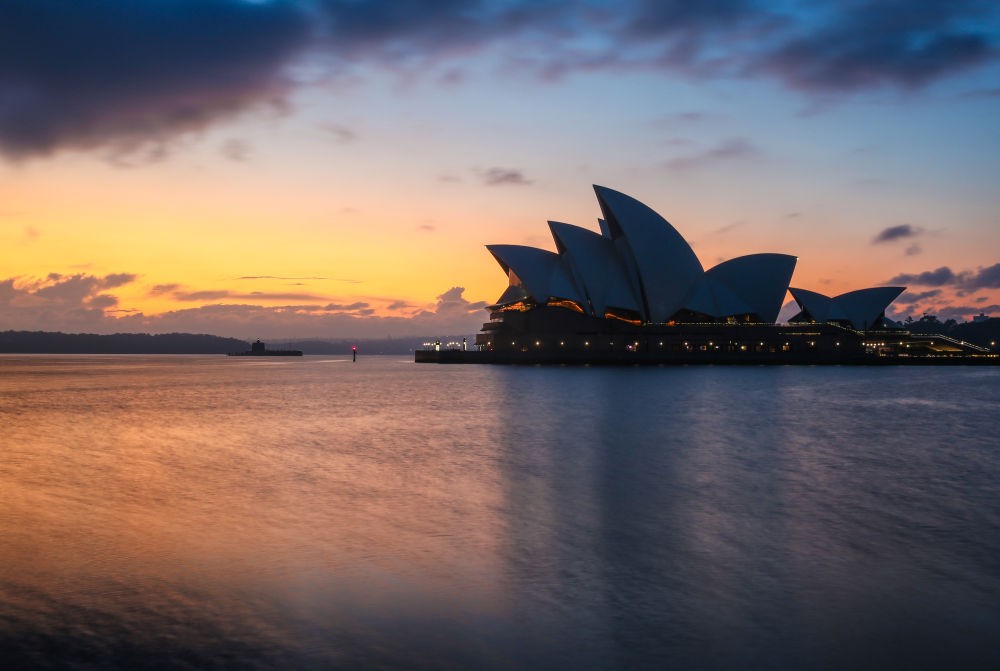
<point x="209" y="512"/>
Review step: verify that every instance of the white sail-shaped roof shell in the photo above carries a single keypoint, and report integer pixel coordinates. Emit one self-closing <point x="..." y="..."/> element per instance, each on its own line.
<point x="864" y="307"/>
<point x="759" y="280"/>
<point x="660" y="261"/>
<point x="595" y="266"/>
<point x="861" y="308"/>
<point x="816" y="304"/>
<point x="540" y="273"/>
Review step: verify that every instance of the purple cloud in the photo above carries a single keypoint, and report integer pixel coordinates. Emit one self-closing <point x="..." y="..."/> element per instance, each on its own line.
<point x="504" y="176"/>
<point x="130" y="74"/>
<point x="729" y="150"/>
<point x="236" y="150"/>
<point x="59" y="301"/>
<point x="967" y="280"/>
<point x="871" y="43"/>
<point x="899" y="232"/>
<point x="908" y="297"/>
<point x="340" y="133"/>
<point x="930" y="278"/>
<point x="128" y="77"/>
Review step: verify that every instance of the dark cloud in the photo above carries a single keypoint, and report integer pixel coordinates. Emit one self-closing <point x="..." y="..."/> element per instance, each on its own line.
<point x="59" y="302"/>
<point x="899" y="232"/>
<point x="503" y="176"/>
<point x="671" y="121"/>
<point x="103" y="301"/>
<point x="281" y="277"/>
<point x="729" y="227"/>
<point x="161" y="289"/>
<point x="77" y="288"/>
<point x="75" y="303"/>
<point x="129" y="77"/>
<point x="984" y="278"/>
<point x="729" y="150"/>
<point x="913" y="250"/>
<point x="930" y="278"/>
<point x="453" y="302"/>
<point x="688" y="34"/>
<point x="399" y="305"/>
<point x="216" y="295"/>
<point x="870" y="43"/>
<point x="340" y="133"/>
<point x="129" y="74"/>
<point x="982" y="93"/>
<point x="201" y="295"/>
<point x="966" y="281"/>
<point x="908" y="297"/>
<point x="349" y="307"/>
<point x="236" y="149"/>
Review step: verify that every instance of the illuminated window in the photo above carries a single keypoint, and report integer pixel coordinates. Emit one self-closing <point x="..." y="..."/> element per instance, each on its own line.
<point x="565" y="303"/>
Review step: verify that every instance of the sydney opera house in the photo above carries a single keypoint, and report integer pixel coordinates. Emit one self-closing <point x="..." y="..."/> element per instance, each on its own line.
<point x="637" y="293"/>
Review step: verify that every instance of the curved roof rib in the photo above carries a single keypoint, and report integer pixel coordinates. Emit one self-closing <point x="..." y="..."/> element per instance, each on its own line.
<point x="596" y="268"/>
<point x="540" y="273"/>
<point x="663" y="265"/>
<point x="760" y="280"/>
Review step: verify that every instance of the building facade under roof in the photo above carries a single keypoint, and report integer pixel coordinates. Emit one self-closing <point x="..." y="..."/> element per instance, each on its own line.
<point x="636" y="292"/>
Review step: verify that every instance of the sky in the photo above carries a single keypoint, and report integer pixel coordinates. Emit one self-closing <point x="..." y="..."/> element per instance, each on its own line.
<point x="335" y="168"/>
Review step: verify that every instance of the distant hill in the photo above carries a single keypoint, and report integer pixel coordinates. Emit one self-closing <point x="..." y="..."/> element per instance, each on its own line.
<point x="46" y="342"/>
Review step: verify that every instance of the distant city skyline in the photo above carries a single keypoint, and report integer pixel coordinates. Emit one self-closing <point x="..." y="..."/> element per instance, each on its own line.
<point x="315" y="168"/>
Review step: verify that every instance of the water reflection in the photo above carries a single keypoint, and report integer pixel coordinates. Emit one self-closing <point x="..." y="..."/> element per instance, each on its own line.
<point x="752" y="518"/>
<point x="195" y="512"/>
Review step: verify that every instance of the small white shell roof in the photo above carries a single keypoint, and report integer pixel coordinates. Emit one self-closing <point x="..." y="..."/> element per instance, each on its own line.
<point x="861" y="308"/>
<point x="541" y="273"/>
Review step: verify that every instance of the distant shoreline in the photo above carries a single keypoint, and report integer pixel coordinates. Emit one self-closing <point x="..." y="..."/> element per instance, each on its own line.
<point x="53" y="342"/>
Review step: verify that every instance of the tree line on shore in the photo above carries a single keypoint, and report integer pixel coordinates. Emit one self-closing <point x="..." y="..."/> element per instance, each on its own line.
<point x="985" y="332"/>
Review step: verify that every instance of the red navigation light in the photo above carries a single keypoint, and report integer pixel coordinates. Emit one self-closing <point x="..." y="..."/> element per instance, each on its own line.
<point x="354" y="349"/>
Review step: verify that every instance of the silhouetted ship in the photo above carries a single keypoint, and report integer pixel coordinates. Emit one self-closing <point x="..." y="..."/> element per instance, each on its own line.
<point x="258" y="349"/>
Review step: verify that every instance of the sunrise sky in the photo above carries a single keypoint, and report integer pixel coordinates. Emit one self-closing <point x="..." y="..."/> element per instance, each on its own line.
<point x="334" y="168"/>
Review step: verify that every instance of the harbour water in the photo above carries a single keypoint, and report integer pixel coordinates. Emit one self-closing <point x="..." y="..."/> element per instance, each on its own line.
<point x="209" y="512"/>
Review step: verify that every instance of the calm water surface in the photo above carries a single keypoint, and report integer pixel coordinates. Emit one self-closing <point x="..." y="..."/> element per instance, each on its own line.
<point x="205" y="512"/>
